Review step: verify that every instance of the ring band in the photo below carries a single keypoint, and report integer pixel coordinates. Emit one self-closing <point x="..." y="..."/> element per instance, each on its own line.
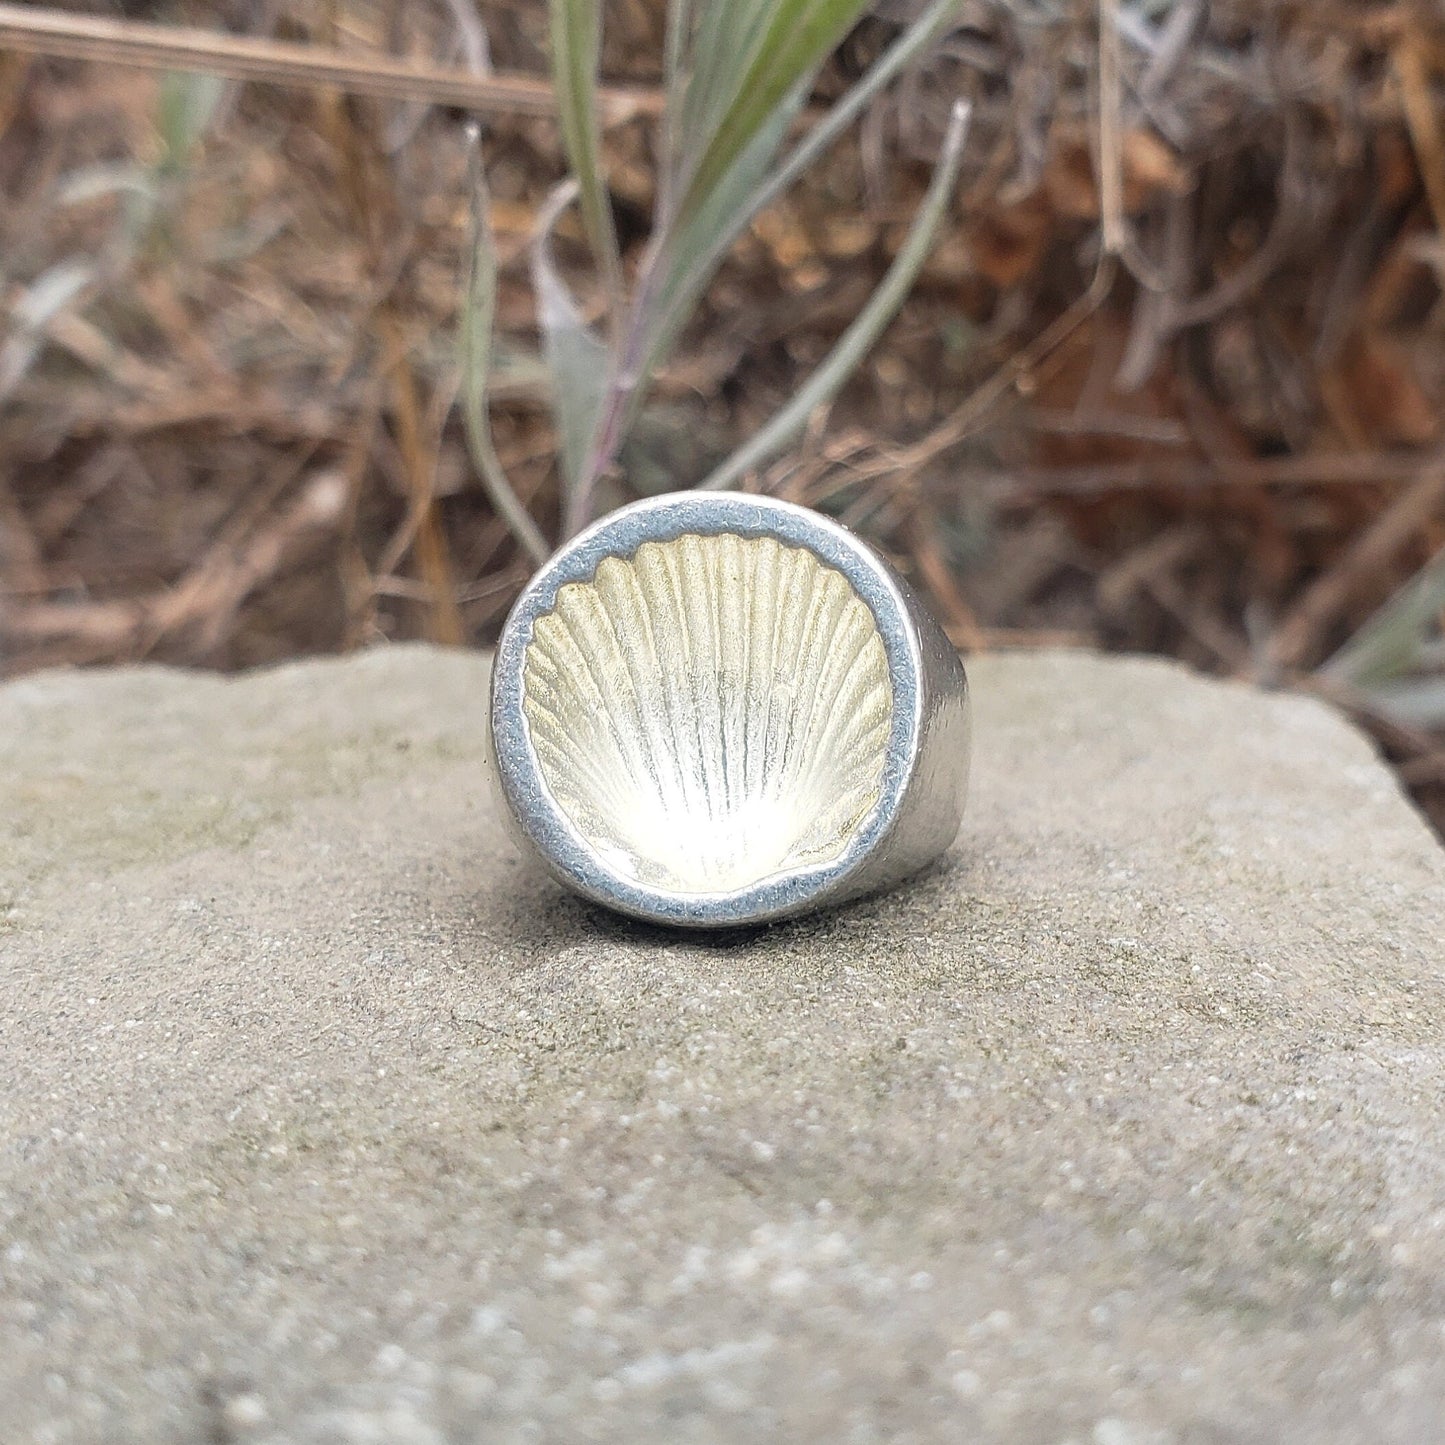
<point x="717" y="709"/>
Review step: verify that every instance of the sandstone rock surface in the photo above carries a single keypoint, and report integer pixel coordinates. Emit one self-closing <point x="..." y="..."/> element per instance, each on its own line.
<point x="324" y="1120"/>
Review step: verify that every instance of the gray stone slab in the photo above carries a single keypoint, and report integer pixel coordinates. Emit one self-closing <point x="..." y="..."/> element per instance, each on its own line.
<point x="323" y="1119"/>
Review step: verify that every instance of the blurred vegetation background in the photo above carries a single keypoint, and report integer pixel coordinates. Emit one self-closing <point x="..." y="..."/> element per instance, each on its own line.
<point x="1167" y="375"/>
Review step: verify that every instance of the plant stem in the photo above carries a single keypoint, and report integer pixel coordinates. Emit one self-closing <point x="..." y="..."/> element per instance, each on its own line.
<point x="858" y="339"/>
<point x="476" y="345"/>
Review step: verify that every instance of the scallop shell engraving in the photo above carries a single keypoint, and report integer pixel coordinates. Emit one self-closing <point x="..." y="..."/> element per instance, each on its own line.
<point x="710" y="712"/>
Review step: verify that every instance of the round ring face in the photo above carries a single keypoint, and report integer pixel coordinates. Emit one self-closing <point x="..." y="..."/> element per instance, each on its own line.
<point x="705" y="709"/>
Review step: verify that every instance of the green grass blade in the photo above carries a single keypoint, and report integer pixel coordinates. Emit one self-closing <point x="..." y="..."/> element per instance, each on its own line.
<point x="577" y="361"/>
<point x="1391" y="643"/>
<point x="478" y="315"/>
<point x="799" y="35"/>
<point x="576" y="29"/>
<point x="698" y="249"/>
<point x="677" y="47"/>
<point x="699" y="242"/>
<point x="858" y="339"/>
<point x="1417" y="702"/>
<point x="185" y="108"/>
<point x="728" y="33"/>
<point x="906" y="48"/>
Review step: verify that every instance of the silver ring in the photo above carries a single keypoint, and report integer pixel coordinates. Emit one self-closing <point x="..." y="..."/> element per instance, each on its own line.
<point x="716" y="709"/>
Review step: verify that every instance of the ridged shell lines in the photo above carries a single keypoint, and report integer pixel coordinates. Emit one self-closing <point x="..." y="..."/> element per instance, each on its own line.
<point x="710" y="712"/>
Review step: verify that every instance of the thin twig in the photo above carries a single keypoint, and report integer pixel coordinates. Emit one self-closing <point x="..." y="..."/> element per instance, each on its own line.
<point x="1422" y="116"/>
<point x="215" y="587"/>
<point x="1025" y="485"/>
<point x="970" y="415"/>
<point x="1297" y="637"/>
<point x="36" y="31"/>
<point x="856" y="341"/>
<point x="958" y="616"/>
<point x="1113" y="227"/>
<point x="1240" y="284"/>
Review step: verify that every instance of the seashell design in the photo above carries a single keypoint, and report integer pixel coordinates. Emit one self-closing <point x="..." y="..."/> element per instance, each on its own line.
<point x="710" y="712"/>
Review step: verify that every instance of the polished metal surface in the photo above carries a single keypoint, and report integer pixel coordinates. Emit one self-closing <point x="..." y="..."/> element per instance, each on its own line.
<point x="715" y="709"/>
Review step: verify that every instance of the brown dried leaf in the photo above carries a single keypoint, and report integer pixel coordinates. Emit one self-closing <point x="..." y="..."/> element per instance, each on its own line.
<point x="1150" y="169"/>
<point x="1385" y="399"/>
<point x="1008" y="244"/>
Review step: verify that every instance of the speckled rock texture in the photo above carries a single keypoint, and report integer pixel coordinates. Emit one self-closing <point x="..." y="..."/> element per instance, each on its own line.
<point x="324" y="1119"/>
